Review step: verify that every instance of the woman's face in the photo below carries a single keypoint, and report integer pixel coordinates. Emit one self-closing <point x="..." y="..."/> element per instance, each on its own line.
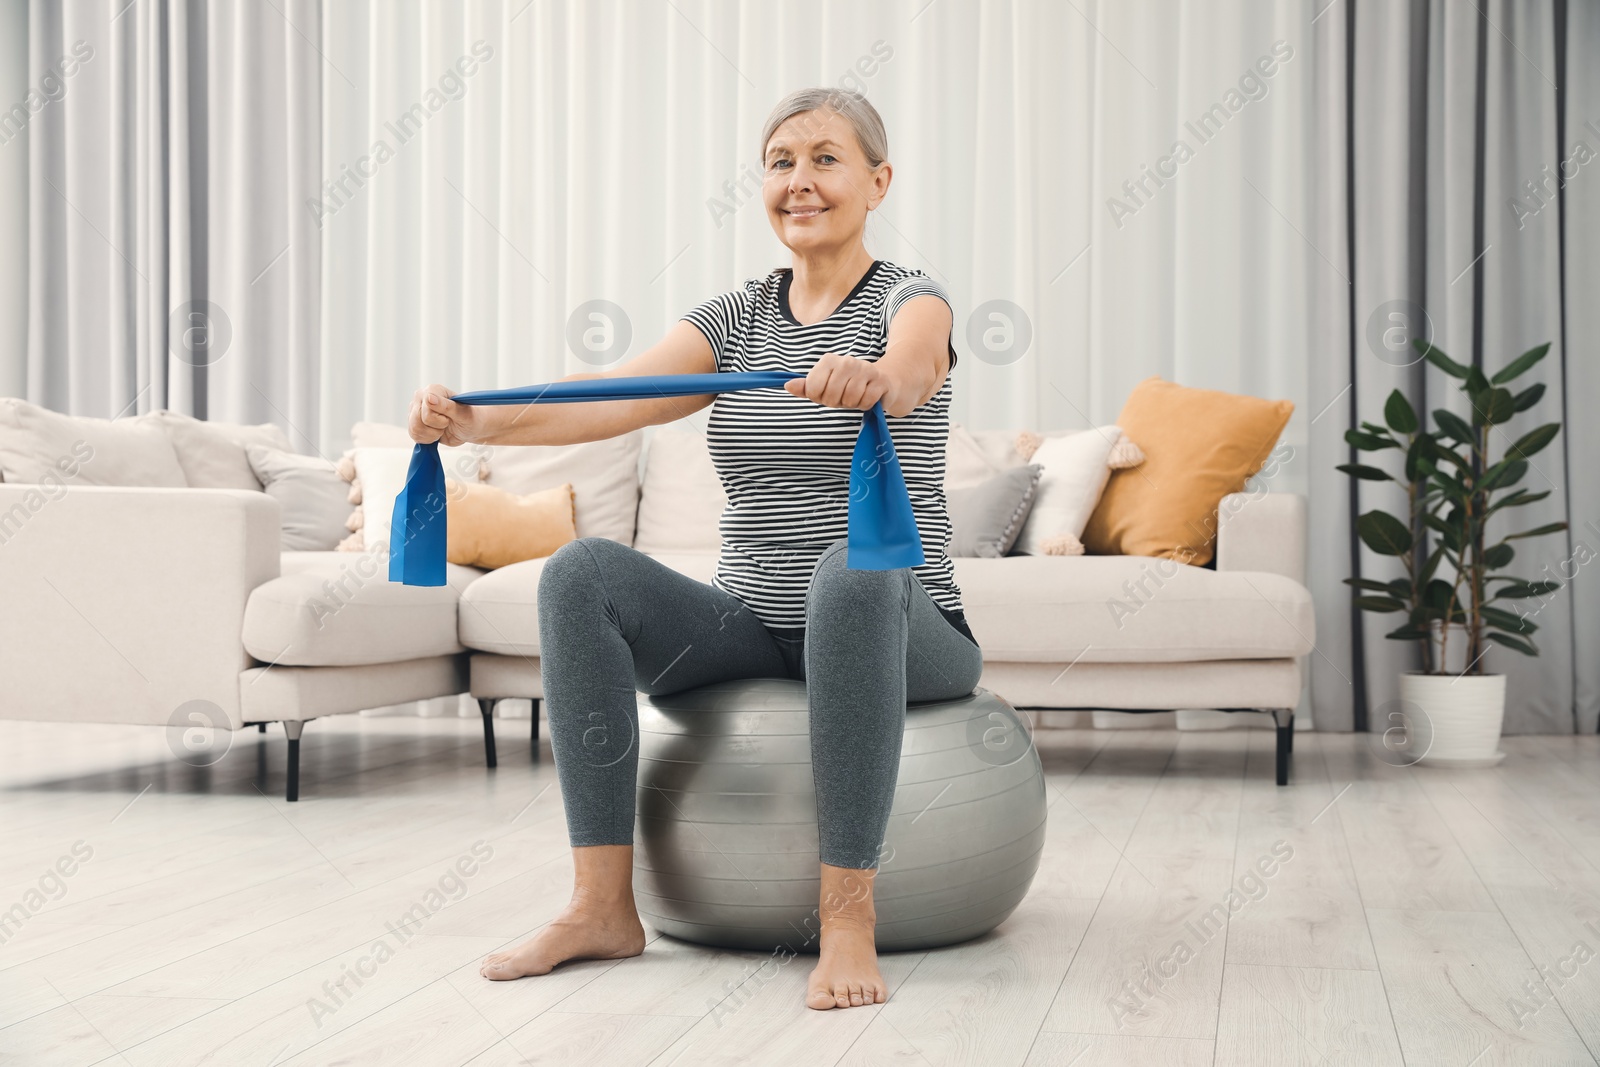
<point x="818" y="186"/>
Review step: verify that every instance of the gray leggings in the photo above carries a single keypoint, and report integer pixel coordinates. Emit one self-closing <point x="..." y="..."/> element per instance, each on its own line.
<point x="613" y="622"/>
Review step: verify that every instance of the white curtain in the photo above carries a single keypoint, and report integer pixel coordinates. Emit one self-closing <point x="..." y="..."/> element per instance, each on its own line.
<point x="607" y="151"/>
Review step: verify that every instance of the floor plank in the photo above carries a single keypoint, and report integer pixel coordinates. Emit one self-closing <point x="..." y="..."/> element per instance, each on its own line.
<point x="1302" y="1015"/>
<point x="1452" y="977"/>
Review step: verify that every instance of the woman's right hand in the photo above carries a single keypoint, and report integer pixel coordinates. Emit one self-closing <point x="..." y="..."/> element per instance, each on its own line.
<point x="435" y="417"/>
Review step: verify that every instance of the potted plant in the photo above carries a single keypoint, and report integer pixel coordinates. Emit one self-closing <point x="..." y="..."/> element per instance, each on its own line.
<point x="1454" y="491"/>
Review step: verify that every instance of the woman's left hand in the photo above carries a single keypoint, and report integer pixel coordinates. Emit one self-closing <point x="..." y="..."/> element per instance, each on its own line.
<point x="838" y="381"/>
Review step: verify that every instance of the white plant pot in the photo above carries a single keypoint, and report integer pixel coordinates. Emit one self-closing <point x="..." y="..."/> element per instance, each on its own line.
<point x="1462" y="714"/>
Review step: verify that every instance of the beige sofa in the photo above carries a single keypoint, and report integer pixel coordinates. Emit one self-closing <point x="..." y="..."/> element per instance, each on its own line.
<point x="158" y="604"/>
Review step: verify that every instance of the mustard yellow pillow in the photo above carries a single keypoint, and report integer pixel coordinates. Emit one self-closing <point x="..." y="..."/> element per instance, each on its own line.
<point x="488" y="527"/>
<point x="1199" y="446"/>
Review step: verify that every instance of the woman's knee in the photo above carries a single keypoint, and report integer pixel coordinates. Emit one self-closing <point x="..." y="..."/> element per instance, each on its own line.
<point x="576" y="569"/>
<point x="834" y="583"/>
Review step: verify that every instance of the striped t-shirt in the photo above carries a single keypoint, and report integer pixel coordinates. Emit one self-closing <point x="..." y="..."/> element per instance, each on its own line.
<point x="785" y="461"/>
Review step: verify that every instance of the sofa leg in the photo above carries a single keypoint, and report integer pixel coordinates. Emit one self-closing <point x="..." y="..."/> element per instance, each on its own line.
<point x="533" y="750"/>
<point x="292" y="792"/>
<point x="1283" y="719"/>
<point x="261" y="727"/>
<point x="486" y="707"/>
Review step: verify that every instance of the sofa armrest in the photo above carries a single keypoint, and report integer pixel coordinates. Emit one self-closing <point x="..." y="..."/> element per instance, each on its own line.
<point x="1262" y="531"/>
<point x="125" y="603"/>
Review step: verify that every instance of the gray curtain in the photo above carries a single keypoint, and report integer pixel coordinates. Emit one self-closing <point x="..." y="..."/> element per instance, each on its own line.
<point x="1452" y="196"/>
<point x="172" y="262"/>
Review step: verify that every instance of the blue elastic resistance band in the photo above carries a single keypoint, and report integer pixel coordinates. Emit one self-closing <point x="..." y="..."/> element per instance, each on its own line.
<point x="882" y="529"/>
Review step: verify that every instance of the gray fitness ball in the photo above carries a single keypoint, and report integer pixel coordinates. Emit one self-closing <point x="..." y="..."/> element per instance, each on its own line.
<point x="726" y="839"/>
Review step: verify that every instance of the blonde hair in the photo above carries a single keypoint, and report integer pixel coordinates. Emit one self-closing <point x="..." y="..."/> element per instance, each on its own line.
<point x="862" y="116"/>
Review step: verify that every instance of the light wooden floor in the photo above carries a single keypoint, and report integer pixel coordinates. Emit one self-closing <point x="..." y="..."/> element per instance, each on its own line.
<point x="1404" y="912"/>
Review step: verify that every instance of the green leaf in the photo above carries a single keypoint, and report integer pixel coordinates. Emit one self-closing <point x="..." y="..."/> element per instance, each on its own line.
<point x="1507" y="472"/>
<point x="1368" y="583"/>
<point x="1371" y="474"/>
<point x="1449" y="533"/>
<point x="1439" y="359"/>
<point x="1521" y="363"/>
<point x="1383" y="533"/>
<point x="1533" y="441"/>
<point x="1430" y="568"/>
<point x="1497" y="556"/>
<point x="1436" y="451"/>
<point x="1521" y="590"/>
<point x="1407" y="633"/>
<point x="1538" y="531"/>
<point x="1507" y="620"/>
<point x="1454" y="425"/>
<point x="1528" y="397"/>
<point x="1438" y="594"/>
<point x="1399" y="414"/>
<point x="1517" y="499"/>
<point x="1369" y="442"/>
<point x="1401" y="588"/>
<point x="1493" y="406"/>
<point x="1416" y="456"/>
<point x="1476" y="382"/>
<point x="1378" y="603"/>
<point x="1517" y="643"/>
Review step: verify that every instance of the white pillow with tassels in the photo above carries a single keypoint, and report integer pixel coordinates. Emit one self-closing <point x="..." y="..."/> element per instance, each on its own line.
<point x="1076" y="469"/>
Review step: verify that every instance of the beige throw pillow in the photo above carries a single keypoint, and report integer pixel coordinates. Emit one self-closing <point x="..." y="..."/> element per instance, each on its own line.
<point x="489" y="527"/>
<point x="214" y="455"/>
<point x="38" y="445"/>
<point x="681" y="500"/>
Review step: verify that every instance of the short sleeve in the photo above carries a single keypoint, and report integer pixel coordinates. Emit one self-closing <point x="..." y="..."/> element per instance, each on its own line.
<point x="914" y="286"/>
<point x="720" y="319"/>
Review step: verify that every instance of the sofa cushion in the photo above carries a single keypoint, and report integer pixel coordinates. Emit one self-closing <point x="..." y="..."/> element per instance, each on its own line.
<point x="500" y="611"/>
<point x="38" y="445"/>
<point x="339" y="608"/>
<point x="213" y="454"/>
<point x="604" y="476"/>
<point x="986" y="518"/>
<point x="1130" y="609"/>
<point x="313" y="497"/>
<point x="681" y="499"/>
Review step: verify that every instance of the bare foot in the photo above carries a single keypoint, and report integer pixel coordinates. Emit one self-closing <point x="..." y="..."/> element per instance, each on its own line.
<point x="584" y="931"/>
<point x="846" y="975"/>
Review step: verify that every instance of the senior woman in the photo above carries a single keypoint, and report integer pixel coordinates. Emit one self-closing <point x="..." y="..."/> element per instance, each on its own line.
<point x="614" y="622"/>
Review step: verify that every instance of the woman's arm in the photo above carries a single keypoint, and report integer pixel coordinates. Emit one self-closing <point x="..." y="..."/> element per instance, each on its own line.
<point x="916" y="357"/>
<point x="684" y="350"/>
<point x="912" y="368"/>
